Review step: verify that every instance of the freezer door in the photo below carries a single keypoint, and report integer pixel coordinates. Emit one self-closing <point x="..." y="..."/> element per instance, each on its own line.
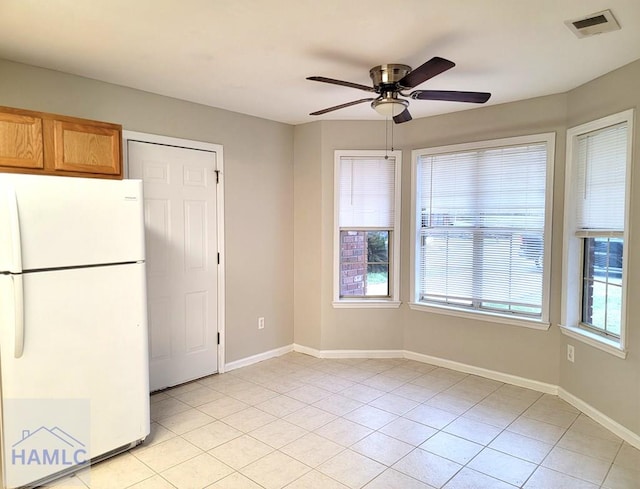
<point x="83" y="376"/>
<point x="66" y="221"/>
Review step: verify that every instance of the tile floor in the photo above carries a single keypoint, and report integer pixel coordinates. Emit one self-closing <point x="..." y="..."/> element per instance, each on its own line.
<point x="299" y="422"/>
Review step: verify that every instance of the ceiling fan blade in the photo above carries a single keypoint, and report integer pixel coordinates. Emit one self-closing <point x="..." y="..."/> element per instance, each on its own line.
<point x="341" y="106"/>
<point x="422" y="73"/>
<point x="451" y="96"/>
<point x="403" y="116"/>
<point x="341" y="82"/>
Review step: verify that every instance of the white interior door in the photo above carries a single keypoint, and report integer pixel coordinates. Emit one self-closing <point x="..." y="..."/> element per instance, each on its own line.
<point x="182" y="265"/>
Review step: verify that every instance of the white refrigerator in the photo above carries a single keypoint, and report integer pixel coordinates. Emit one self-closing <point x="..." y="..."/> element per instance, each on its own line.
<point x="73" y="324"/>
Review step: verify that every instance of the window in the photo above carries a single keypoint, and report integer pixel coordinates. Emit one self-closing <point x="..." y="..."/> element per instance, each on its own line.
<point x="367" y="219"/>
<point x="596" y="195"/>
<point x="482" y="226"/>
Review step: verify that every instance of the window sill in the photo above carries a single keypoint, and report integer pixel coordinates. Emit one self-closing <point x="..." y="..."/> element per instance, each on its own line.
<point x="601" y="343"/>
<point x="366" y="304"/>
<point x="481" y="315"/>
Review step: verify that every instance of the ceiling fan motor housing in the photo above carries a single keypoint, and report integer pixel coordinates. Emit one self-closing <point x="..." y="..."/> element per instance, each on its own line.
<point x="386" y="76"/>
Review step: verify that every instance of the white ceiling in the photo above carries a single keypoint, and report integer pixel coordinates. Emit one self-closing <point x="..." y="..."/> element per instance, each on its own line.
<point x="252" y="56"/>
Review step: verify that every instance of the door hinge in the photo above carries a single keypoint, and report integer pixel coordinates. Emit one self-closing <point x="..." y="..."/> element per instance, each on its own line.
<point x="218" y="338"/>
<point x="218" y="258"/>
<point x="217" y="176"/>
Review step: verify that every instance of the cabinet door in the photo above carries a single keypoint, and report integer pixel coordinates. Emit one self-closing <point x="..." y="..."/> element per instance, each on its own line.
<point x="20" y="141"/>
<point x="86" y="148"/>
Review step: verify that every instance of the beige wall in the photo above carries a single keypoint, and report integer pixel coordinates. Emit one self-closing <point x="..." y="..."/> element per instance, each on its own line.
<point x="601" y="380"/>
<point x="489" y="345"/>
<point x="258" y="187"/>
<point x="351" y="329"/>
<point x="307" y="211"/>
<point x="506" y="348"/>
<point x="610" y="384"/>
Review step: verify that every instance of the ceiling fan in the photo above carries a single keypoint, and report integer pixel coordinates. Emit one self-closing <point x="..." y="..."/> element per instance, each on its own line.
<point x="390" y="81"/>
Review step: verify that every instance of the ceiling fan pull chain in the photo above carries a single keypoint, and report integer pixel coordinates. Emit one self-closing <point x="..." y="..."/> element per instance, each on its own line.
<point x="392" y="149"/>
<point x="386" y="138"/>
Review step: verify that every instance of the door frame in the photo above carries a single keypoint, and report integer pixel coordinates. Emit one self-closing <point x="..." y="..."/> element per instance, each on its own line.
<point x="196" y="145"/>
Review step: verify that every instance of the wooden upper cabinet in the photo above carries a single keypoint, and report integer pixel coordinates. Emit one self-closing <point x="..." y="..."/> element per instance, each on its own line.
<point x="21" y="141"/>
<point x="37" y="142"/>
<point x="86" y="148"/>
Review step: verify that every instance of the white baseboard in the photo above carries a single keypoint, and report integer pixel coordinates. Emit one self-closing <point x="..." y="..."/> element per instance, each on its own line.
<point x="307" y="350"/>
<point x="363" y="354"/>
<point x="245" y="362"/>
<point x="348" y="353"/>
<point x="483" y="372"/>
<point x="440" y="362"/>
<point x="613" y="426"/>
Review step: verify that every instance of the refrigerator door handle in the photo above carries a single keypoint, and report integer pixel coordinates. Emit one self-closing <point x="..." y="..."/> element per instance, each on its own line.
<point x="13" y="221"/>
<point x="18" y="309"/>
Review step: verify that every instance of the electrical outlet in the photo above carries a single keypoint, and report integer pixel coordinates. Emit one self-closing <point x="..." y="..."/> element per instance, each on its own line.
<point x="571" y="354"/>
<point x="260" y="323"/>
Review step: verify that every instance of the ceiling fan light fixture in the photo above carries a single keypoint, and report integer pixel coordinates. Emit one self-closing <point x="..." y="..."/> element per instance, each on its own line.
<point x="390" y="106"/>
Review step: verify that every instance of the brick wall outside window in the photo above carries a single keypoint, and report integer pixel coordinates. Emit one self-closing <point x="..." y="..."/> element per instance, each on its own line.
<point x="353" y="259"/>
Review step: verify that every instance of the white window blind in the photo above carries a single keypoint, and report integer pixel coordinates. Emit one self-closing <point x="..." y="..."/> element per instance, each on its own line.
<point x="366" y="192"/>
<point x="600" y="171"/>
<point x="482" y="219"/>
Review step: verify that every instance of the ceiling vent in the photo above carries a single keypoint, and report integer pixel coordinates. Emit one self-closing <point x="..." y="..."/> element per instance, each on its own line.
<point x="593" y="24"/>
